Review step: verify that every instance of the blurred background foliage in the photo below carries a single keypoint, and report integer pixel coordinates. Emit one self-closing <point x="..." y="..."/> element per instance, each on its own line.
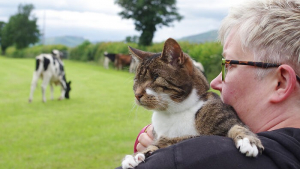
<point x="209" y="54"/>
<point x="19" y="37"/>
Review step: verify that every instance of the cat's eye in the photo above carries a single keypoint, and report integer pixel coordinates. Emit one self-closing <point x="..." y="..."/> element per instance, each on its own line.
<point x="155" y="76"/>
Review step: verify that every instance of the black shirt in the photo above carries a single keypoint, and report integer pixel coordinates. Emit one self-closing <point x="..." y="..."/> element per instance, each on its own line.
<point x="282" y="150"/>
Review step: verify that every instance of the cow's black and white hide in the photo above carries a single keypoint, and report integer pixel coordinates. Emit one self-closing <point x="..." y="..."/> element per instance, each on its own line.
<point x="50" y="68"/>
<point x="108" y="57"/>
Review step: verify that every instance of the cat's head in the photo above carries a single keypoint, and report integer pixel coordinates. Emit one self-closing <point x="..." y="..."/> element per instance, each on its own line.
<point x="166" y="79"/>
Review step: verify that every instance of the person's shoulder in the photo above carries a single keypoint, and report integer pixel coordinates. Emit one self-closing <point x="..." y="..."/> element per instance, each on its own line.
<point x="285" y="137"/>
<point x="208" y="144"/>
<point x="204" y="152"/>
<point x="214" y="152"/>
<point x="282" y="146"/>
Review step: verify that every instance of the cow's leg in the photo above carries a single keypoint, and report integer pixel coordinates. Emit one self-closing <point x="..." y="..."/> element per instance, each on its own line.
<point x="116" y="63"/>
<point x="46" y="80"/>
<point x="35" y="78"/>
<point x="120" y="64"/>
<point x="106" y="62"/>
<point x="51" y="90"/>
<point x="131" y="67"/>
<point x="63" y="89"/>
<point x="62" y="95"/>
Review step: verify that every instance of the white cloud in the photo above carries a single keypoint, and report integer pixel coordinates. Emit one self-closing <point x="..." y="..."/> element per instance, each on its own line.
<point x="84" y="19"/>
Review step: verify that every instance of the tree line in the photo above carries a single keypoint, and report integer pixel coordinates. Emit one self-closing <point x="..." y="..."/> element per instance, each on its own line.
<point x="209" y="54"/>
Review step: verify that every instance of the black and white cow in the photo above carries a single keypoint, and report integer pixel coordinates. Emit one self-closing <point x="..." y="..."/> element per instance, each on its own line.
<point x="108" y="57"/>
<point x="50" y="68"/>
<point x="199" y="66"/>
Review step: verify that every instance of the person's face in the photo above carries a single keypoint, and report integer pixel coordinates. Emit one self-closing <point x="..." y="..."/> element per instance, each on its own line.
<point x="241" y="87"/>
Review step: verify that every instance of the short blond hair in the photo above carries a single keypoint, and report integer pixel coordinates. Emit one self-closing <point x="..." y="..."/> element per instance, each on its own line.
<point x="269" y="28"/>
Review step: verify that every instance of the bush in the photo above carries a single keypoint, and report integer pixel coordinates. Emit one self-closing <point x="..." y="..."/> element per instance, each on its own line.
<point x="209" y="54"/>
<point x="33" y="51"/>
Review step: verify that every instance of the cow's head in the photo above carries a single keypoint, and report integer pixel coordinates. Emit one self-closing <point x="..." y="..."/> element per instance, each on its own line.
<point x="68" y="90"/>
<point x="57" y="53"/>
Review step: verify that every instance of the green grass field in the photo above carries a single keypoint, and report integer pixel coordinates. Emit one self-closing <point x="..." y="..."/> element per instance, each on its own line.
<point x="94" y="129"/>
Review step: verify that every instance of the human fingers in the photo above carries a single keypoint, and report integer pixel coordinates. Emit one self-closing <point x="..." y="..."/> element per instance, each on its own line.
<point x="140" y="147"/>
<point x="149" y="131"/>
<point x="144" y="141"/>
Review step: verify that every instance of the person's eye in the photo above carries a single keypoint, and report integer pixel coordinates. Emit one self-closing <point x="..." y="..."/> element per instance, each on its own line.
<point x="229" y="66"/>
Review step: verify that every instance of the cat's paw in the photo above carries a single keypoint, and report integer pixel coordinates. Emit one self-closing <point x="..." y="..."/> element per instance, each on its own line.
<point x="246" y="141"/>
<point x="245" y="147"/>
<point x="132" y="161"/>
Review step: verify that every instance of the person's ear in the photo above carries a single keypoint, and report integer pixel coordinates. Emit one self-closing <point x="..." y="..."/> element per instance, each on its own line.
<point x="286" y="83"/>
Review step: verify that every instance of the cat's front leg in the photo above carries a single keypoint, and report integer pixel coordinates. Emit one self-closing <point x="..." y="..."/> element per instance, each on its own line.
<point x="245" y="140"/>
<point x="131" y="161"/>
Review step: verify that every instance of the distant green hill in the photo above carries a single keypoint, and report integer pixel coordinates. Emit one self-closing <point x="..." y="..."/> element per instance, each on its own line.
<point x="70" y="41"/>
<point x="73" y="41"/>
<point x="210" y="36"/>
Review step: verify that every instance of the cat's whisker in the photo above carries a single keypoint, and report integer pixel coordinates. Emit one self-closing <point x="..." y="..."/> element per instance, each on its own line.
<point x="134" y="108"/>
<point x="129" y="80"/>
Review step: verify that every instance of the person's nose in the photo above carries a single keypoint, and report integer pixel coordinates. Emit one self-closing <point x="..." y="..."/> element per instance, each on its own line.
<point x="216" y="83"/>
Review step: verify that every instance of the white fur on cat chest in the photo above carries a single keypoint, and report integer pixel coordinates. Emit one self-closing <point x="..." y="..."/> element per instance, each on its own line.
<point x="180" y="121"/>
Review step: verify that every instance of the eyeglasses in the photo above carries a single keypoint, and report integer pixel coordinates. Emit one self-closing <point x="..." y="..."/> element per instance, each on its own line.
<point x="250" y="63"/>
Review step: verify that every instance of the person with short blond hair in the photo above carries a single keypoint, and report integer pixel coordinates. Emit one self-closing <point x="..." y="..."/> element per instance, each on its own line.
<point x="260" y="80"/>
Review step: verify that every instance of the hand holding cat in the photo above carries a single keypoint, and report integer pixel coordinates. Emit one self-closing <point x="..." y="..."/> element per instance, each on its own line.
<point x="145" y="139"/>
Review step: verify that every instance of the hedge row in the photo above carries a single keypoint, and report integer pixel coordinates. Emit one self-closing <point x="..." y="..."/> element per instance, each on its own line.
<point x="209" y="54"/>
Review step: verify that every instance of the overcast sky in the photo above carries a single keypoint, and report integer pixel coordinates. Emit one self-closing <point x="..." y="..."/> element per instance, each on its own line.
<point x="98" y="20"/>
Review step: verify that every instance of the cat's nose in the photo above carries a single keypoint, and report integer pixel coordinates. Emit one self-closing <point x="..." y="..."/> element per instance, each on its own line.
<point x="138" y="96"/>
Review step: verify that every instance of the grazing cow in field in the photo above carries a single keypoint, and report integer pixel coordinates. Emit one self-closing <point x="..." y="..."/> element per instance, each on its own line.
<point x="199" y="66"/>
<point x="122" y="60"/>
<point x="50" y="68"/>
<point x="107" y="58"/>
<point x="133" y="65"/>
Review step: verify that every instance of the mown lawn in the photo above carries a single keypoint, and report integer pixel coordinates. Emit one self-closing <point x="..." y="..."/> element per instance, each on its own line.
<point x="94" y="129"/>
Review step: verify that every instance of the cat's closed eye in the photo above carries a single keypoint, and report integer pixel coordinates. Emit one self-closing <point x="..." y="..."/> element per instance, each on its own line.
<point x="155" y="76"/>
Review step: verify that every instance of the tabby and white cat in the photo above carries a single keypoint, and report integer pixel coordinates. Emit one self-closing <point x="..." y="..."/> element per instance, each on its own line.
<point x="169" y="84"/>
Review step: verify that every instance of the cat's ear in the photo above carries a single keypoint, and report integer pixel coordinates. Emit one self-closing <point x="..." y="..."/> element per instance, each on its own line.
<point x="139" y="55"/>
<point x="172" y="53"/>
